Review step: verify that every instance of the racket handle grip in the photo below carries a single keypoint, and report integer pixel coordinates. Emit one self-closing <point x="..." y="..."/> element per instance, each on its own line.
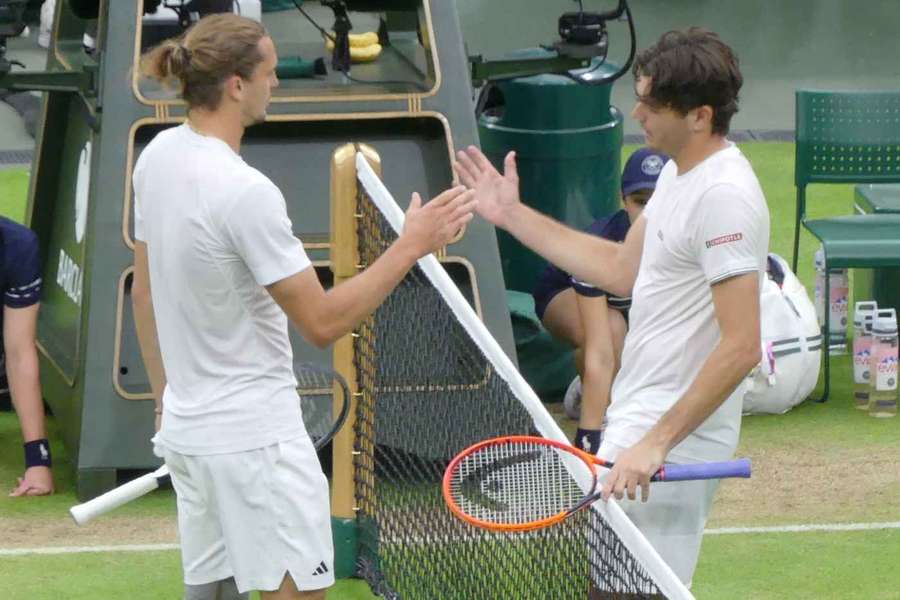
<point x="82" y="513"/>
<point x="712" y="470"/>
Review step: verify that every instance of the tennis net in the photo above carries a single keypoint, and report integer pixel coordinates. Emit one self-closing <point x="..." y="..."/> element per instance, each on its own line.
<point x="432" y="381"/>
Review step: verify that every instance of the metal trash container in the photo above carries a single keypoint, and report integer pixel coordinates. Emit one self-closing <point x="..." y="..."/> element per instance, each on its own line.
<point x="568" y="142"/>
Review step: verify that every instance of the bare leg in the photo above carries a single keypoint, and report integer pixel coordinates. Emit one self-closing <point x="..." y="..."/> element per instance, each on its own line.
<point x="618" y="327"/>
<point x="578" y="355"/>
<point x="604" y="335"/>
<point x="289" y="591"/>
<point x="562" y="320"/>
<point x="217" y="590"/>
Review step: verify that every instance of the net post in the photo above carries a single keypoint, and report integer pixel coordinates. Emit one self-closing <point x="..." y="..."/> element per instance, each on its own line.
<point x="345" y="263"/>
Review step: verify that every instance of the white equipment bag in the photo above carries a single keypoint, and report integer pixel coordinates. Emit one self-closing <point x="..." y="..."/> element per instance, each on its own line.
<point x="791" y="344"/>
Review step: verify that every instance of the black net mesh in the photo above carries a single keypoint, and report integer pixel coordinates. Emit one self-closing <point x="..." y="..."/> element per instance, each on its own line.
<point x="427" y="393"/>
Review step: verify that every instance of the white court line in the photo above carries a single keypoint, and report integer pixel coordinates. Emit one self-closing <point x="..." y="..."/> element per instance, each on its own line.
<point x="825" y="527"/>
<point x="79" y="549"/>
<point x="828" y="527"/>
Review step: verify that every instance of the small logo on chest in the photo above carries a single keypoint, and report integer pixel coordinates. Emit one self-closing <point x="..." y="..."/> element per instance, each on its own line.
<point x="659" y="234"/>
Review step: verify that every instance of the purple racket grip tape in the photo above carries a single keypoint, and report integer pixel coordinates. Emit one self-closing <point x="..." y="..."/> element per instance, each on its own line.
<point x="712" y="470"/>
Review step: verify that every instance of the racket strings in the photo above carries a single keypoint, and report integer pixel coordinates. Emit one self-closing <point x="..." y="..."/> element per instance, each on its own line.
<point x="313" y="377"/>
<point x="516" y="484"/>
<point x="318" y="387"/>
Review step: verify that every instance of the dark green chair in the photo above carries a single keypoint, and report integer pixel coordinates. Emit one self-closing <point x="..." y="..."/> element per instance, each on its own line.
<point x="848" y="137"/>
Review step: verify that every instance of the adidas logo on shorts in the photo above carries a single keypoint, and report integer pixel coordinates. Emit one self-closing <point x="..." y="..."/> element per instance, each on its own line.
<point x="321" y="570"/>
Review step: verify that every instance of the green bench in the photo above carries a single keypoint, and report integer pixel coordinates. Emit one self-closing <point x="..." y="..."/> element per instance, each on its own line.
<point x="881" y="285"/>
<point x="849" y="137"/>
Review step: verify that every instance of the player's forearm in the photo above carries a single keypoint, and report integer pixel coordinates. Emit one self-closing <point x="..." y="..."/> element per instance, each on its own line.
<point x="145" y="325"/>
<point x="728" y="364"/>
<point x="346" y="305"/>
<point x="587" y="257"/>
<point x="25" y="389"/>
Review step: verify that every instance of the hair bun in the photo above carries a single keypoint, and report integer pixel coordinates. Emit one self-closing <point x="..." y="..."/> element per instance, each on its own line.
<point x="186" y="54"/>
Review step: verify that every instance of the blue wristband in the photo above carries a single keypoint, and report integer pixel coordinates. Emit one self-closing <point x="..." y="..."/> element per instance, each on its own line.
<point x="588" y="440"/>
<point x="37" y="454"/>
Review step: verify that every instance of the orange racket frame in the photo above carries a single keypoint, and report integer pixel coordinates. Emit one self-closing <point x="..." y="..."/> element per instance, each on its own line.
<point x="589" y="460"/>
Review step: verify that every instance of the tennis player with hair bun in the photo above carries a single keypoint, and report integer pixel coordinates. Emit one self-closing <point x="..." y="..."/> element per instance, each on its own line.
<point x="692" y="264"/>
<point x="218" y="273"/>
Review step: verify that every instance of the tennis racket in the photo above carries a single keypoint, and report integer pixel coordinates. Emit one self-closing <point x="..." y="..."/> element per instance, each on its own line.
<point x="522" y="483"/>
<point x="325" y="404"/>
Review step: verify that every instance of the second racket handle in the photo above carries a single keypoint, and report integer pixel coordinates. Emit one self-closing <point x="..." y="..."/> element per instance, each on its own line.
<point x="112" y="499"/>
<point x="712" y="470"/>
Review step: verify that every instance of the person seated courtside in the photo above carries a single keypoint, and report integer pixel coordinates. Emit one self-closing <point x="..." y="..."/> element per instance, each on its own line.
<point x="589" y="319"/>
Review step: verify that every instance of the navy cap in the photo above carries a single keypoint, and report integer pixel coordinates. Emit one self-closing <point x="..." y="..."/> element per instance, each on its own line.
<point x="642" y="170"/>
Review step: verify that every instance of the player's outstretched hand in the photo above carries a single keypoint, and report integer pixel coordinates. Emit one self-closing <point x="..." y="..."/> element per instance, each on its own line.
<point x="38" y="481"/>
<point x="497" y="195"/>
<point x="633" y="470"/>
<point x="431" y="226"/>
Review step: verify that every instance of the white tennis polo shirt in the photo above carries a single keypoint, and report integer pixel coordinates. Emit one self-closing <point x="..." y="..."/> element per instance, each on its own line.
<point x="217" y="232"/>
<point x="703" y="227"/>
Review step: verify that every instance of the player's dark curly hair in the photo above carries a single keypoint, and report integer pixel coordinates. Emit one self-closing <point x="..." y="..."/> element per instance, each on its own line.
<point x="689" y="69"/>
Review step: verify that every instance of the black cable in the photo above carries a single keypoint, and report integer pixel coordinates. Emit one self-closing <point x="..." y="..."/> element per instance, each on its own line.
<point x="311" y="20"/>
<point x="347" y="75"/>
<point x="580" y="77"/>
<point x="625" y="67"/>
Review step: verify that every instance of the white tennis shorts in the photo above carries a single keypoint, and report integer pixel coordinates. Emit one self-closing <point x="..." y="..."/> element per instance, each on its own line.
<point x="673" y="518"/>
<point x="254" y="516"/>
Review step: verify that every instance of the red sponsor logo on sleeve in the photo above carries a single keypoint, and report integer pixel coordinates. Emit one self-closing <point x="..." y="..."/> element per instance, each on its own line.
<point x="724" y="239"/>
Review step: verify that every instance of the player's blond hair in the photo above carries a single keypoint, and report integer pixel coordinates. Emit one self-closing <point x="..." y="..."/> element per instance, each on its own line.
<point x="199" y="61"/>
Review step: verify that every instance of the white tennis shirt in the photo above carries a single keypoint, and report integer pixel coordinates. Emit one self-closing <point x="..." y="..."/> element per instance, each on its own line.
<point x="217" y="231"/>
<point x="703" y="227"/>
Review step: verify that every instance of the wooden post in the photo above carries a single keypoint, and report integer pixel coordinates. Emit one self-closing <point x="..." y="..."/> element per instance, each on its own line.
<point x="345" y="263"/>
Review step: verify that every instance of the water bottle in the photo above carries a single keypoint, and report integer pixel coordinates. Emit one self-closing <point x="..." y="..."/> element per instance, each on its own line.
<point x="839" y="298"/>
<point x="883" y="393"/>
<point x="863" y="316"/>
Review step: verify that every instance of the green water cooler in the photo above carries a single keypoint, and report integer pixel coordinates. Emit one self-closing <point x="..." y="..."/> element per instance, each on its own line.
<point x="568" y="142"/>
